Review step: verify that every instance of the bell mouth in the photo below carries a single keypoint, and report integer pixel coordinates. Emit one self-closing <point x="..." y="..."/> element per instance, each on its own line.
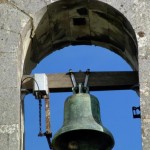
<point x="83" y="140"/>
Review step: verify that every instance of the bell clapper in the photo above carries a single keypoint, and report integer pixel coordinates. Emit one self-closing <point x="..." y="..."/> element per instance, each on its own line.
<point x="72" y="145"/>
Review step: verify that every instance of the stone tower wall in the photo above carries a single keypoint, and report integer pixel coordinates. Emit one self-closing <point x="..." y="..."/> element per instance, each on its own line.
<point x="18" y="21"/>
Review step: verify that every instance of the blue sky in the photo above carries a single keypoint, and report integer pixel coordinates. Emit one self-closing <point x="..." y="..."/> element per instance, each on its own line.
<point x="115" y="106"/>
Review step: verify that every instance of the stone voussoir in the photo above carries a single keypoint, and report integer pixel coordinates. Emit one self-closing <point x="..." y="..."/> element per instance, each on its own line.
<point x="12" y="19"/>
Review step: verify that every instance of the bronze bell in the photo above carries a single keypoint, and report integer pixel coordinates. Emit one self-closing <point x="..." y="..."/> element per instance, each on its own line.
<point x="82" y="128"/>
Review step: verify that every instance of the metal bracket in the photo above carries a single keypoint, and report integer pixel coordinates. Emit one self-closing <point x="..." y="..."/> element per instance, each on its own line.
<point x="86" y="88"/>
<point x="136" y="112"/>
<point x="79" y="87"/>
<point x="48" y="137"/>
<point x="40" y="87"/>
<point x="74" y="88"/>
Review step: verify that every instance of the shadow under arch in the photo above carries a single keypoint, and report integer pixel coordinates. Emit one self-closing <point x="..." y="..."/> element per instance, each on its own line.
<point x="82" y="23"/>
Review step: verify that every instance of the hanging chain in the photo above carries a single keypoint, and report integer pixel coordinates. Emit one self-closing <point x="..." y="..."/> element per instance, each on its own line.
<point x="40" y="118"/>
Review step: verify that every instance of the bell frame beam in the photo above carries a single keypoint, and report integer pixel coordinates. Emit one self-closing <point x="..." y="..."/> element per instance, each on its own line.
<point x="98" y="81"/>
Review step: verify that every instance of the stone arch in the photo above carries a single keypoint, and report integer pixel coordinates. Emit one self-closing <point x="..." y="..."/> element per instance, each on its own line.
<point x="18" y="23"/>
<point x="82" y="23"/>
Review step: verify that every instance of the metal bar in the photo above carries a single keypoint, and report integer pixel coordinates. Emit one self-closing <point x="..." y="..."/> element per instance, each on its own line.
<point x="98" y="81"/>
<point x="48" y="132"/>
<point x="86" y="78"/>
<point x="49" y="142"/>
<point x="47" y="113"/>
<point x="73" y="79"/>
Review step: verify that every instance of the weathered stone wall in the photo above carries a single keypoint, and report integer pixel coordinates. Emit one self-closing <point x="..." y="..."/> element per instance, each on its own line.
<point x="18" y="21"/>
